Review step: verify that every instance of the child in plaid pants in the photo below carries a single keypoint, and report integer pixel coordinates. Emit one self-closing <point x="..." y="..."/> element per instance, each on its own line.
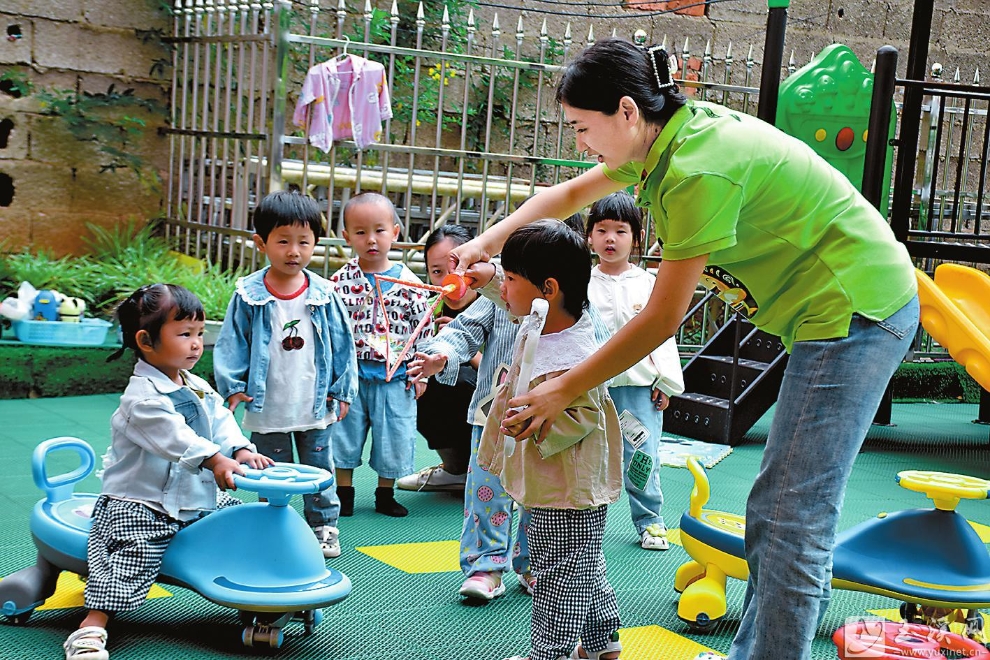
<point x="568" y="478"/>
<point x="173" y="443"/>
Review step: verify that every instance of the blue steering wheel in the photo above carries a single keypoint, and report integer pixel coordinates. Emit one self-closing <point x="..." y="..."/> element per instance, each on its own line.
<point x="279" y="482"/>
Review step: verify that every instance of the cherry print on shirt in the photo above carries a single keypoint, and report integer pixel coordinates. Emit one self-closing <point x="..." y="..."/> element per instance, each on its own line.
<point x="292" y="341"/>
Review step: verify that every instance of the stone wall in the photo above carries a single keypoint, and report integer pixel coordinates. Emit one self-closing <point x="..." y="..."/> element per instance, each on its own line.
<point x="51" y="183"/>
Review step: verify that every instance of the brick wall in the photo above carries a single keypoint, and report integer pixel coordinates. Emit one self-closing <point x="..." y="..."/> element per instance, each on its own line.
<point x="50" y="181"/>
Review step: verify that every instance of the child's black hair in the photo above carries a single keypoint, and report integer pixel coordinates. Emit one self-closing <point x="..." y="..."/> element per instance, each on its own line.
<point x="151" y="307"/>
<point x="575" y="222"/>
<point x="459" y="234"/>
<point x="370" y="198"/>
<point x="284" y="208"/>
<point x="549" y="248"/>
<point x="620" y="206"/>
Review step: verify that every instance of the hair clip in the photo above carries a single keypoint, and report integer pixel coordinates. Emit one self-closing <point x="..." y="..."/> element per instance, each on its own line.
<point x="652" y="52"/>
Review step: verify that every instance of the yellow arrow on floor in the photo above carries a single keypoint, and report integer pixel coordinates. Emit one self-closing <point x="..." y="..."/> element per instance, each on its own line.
<point x="69" y="593"/>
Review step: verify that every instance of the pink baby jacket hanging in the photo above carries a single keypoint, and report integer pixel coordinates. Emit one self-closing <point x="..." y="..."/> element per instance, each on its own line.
<point x="345" y="99"/>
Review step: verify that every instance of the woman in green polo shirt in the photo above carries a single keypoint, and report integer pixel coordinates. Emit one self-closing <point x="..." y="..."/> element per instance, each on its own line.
<point x="739" y="203"/>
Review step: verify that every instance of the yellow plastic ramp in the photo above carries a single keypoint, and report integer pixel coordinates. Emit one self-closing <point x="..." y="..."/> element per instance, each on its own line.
<point x="955" y="311"/>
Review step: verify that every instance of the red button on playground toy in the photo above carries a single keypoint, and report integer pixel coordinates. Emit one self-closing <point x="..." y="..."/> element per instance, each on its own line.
<point x="889" y="640"/>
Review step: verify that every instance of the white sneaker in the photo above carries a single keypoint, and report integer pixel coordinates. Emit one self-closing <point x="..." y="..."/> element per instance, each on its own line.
<point x="654" y="537"/>
<point x="432" y="479"/>
<point x="329" y="538"/>
<point x="89" y="643"/>
<point x="483" y="586"/>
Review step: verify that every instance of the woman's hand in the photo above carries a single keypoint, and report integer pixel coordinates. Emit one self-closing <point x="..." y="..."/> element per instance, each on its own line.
<point x="467" y="254"/>
<point x="419" y="387"/>
<point x="660" y="400"/>
<point x="538" y="409"/>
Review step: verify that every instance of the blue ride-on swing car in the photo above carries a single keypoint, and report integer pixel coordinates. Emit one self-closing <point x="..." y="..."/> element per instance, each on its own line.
<point x="260" y="558"/>
<point x="930" y="559"/>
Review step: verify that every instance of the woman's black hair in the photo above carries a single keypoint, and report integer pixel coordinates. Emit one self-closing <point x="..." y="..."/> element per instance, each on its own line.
<point x="549" y="248"/>
<point x="620" y="206"/>
<point x="285" y="208"/>
<point x="151" y="307"/>
<point x="612" y="68"/>
<point x="459" y="234"/>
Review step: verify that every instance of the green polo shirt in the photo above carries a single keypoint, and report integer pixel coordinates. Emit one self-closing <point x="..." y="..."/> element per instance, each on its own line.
<point x="790" y="241"/>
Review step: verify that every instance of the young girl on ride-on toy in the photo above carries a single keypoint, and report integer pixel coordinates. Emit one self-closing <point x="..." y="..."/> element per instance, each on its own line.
<point x="173" y="444"/>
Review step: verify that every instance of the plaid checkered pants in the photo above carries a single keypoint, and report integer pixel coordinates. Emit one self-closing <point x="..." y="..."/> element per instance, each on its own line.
<point x="125" y="549"/>
<point x="573" y="599"/>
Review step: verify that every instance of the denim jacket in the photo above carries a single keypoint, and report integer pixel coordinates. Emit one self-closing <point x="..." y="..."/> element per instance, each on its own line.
<point x="240" y="357"/>
<point x="160" y="435"/>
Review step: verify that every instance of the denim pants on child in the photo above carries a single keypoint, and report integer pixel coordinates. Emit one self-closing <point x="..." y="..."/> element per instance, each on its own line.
<point x="829" y="396"/>
<point x="486" y="539"/>
<point x="314" y="448"/>
<point x="389" y="411"/>
<point x="645" y="498"/>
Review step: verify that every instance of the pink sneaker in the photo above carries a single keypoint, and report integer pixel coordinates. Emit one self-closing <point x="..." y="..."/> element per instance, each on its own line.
<point x="483" y="586"/>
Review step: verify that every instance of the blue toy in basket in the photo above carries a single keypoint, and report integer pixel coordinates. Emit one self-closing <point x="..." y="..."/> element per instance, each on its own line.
<point x="931" y="559"/>
<point x="45" y="306"/>
<point x="272" y="569"/>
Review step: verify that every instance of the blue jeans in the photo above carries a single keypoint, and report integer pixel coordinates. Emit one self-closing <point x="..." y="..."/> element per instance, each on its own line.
<point x="830" y="393"/>
<point x="644" y="503"/>
<point x="388" y="410"/>
<point x="486" y="538"/>
<point x="314" y="448"/>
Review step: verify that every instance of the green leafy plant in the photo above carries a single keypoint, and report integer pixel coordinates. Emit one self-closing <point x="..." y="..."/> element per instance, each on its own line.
<point x="15" y="83"/>
<point x="122" y="259"/>
<point x="214" y="287"/>
<point x="69" y="276"/>
<point x="110" y="119"/>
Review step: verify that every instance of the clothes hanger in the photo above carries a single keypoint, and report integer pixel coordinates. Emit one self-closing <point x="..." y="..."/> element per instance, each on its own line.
<point x="343" y="55"/>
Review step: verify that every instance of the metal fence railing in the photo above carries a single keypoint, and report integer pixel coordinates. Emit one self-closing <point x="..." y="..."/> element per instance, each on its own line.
<point x="942" y="208"/>
<point x="475" y="128"/>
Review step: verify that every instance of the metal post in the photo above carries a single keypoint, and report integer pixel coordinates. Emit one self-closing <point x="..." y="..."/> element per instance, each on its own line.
<point x="773" y="55"/>
<point x="875" y="165"/>
<point x="983" y="417"/>
<point x="907" y="141"/>
<point x="281" y="37"/>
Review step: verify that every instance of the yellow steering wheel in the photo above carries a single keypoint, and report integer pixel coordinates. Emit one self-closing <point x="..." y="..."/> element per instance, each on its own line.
<point x="944" y="489"/>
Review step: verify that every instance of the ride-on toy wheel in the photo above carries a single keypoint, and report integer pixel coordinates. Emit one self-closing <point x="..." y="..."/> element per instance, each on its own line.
<point x="263" y="635"/>
<point x="20" y="619"/>
<point x="310" y="619"/>
<point x="944" y="489"/>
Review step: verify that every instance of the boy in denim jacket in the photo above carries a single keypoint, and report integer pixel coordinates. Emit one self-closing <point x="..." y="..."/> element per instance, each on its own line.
<point x="285" y="350"/>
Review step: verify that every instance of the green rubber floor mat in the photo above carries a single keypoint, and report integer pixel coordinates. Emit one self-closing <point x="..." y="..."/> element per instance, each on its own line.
<point x="404" y="604"/>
